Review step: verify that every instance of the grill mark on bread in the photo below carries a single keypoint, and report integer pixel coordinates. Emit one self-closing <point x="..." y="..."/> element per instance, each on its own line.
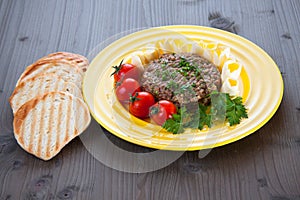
<point x="48" y="133"/>
<point x="76" y="107"/>
<point x="34" y="67"/>
<point x="81" y="116"/>
<point x="56" y="87"/>
<point x="76" y="116"/>
<point x="72" y="114"/>
<point x="67" y="123"/>
<point x="41" y="90"/>
<point x="41" y="128"/>
<point x="18" y="122"/>
<point x="58" y="127"/>
<point x="33" y="124"/>
<point x="22" y="131"/>
<point x="73" y="78"/>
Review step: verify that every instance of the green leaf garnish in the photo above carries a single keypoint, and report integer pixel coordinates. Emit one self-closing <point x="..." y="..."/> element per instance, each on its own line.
<point x="234" y="112"/>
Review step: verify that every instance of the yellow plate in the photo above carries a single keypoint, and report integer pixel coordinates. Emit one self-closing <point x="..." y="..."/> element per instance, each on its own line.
<point x="262" y="87"/>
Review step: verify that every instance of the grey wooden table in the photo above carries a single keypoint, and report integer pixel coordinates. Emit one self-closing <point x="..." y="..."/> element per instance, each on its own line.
<point x="264" y="165"/>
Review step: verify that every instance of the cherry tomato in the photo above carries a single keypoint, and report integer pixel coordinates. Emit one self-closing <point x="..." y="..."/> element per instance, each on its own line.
<point x="127" y="88"/>
<point x="126" y="70"/>
<point x="161" y="111"/>
<point x="169" y="107"/>
<point x="140" y="104"/>
<point x="158" y="114"/>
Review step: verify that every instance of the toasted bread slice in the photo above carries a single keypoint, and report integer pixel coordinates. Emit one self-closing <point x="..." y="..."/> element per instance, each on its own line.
<point x="45" y="124"/>
<point x="79" y="60"/>
<point x="67" y="71"/>
<point x="39" y="85"/>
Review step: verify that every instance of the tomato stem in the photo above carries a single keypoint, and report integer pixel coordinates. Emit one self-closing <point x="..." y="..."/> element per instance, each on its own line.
<point x="154" y="110"/>
<point x="134" y="98"/>
<point x="117" y="68"/>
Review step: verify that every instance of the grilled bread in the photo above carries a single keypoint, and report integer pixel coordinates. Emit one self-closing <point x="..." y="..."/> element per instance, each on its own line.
<point x="67" y="71"/>
<point x="46" y="123"/>
<point x="79" y="60"/>
<point x="39" y="85"/>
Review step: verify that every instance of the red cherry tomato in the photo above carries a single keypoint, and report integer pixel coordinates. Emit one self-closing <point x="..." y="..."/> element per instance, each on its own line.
<point x="126" y="70"/>
<point x="161" y="111"/>
<point x="169" y="107"/>
<point x="127" y="88"/>
<point x="158" y="114"/>
<point x="140" y="104"/>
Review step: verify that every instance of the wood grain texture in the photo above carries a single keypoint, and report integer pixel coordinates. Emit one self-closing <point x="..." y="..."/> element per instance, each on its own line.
<point x="264" y="165"/>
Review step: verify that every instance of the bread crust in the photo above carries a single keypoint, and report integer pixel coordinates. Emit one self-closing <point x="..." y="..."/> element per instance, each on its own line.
<point x="60" y="67"/>
<point x="77" y="59"/>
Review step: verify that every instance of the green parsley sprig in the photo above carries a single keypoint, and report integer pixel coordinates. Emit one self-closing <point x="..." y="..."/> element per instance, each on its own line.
<point x="234" y="111"/>
<point x="176" y="123"/>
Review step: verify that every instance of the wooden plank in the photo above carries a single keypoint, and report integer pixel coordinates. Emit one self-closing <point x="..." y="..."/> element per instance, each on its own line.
<point x="261" y="166"/>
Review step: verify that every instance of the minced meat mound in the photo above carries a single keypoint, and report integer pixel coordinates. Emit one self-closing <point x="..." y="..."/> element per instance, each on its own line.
<point x="181" y="78"/>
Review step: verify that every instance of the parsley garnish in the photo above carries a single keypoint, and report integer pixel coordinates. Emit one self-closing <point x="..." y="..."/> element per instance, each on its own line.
<point x="183" y="89"/>
<point x="176" y="125"/>
<point x="185" y="67"/>
<point x="234" y="111"/>
<point x="164" y="77"/>
<point x="173" y="74"/>
<point x="172" y="85"/>
<point x="204" y="117"/>
<point x="164" y="65"/>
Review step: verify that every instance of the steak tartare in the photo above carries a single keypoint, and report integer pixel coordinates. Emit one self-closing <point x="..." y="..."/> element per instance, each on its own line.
<point x="181" y="78"/>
